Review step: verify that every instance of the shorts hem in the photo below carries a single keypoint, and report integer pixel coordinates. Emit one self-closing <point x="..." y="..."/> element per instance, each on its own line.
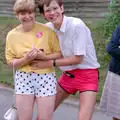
<point x="87" y="90"/>
<point x="36" y="95"/>
<point x="24" y="93"/>
<point x="44" y="95"/>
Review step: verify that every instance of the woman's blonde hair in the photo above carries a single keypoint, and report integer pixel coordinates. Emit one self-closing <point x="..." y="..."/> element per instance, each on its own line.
<point x="24" y="6"/>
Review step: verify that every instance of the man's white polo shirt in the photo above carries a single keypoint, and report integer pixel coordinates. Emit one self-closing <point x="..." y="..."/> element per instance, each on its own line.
<point x="75" y="39"/>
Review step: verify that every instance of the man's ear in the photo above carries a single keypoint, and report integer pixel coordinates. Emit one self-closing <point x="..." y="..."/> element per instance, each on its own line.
<point x="62" y="8"/>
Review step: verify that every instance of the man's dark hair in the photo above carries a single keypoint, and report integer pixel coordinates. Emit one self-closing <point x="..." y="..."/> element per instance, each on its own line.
<point x="47" y="3"/>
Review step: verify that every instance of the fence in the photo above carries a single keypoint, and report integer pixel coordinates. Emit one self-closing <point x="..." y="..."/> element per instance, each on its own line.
<point x="87" y="9"/>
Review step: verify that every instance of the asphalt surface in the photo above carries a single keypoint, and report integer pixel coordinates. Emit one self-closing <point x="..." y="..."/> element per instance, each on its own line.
<point x="66" y="111"/>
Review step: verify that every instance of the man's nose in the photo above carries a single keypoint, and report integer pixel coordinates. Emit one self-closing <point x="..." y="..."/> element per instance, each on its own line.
<point x="52" y="12"/>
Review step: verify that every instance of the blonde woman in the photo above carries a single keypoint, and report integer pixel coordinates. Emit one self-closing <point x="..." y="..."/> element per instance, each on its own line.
<point x="24" y="44"/>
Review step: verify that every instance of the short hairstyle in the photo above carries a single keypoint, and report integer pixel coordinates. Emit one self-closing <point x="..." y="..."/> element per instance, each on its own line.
<point x="41" y="4"/>
<point x="24" y="6"/>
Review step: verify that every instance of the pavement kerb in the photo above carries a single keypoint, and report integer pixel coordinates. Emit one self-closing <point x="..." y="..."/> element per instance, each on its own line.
<point x="70" y="101"/>
<point x="7" y="88"/>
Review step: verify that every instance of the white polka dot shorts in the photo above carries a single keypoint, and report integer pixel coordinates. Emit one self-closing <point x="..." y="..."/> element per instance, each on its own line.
<point x="32" y="83"/>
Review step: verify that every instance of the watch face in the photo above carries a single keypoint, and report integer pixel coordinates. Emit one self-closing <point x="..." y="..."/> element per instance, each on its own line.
<point x="42" y="50"/>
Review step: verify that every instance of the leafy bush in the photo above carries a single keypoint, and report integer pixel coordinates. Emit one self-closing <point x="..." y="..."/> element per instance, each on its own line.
<point x="112" y="19"/>
<point x="3" y="32"/>
<point x="104" y="29"/>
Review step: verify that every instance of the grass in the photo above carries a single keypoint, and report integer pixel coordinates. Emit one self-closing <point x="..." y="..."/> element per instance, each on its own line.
<point x="6" y="76"/>
<point x="11" y="20"/>
<point x="100" y="45"/>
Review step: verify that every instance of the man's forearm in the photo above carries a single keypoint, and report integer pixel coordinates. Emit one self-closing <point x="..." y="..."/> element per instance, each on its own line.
<point x="53" y="56"/>
<point x="69" y="61"/>
<point x="40" y="64"/>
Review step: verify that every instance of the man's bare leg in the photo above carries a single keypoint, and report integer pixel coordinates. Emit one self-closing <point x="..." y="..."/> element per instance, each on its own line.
<point x="60" y="96"/>
<point x="87" y="103"/>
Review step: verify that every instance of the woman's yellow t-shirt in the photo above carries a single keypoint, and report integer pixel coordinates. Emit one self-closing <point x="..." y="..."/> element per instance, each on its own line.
<point x="18" y="43"/>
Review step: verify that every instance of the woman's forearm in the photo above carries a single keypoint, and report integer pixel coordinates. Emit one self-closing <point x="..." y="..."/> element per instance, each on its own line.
<point x="16" y="63"/>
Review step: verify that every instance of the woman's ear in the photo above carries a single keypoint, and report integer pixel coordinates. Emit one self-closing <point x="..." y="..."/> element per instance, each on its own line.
<point x="16" y="15"/>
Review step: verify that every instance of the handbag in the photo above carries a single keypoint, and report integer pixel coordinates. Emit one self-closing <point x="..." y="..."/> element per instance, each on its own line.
<point x="11" y="113"/>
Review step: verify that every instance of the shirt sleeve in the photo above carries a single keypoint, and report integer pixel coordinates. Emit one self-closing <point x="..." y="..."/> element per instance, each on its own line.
<point x="113" y="47"/>
<point x="54" y="43"/>
<point x="80" y="37"/>
<point x="9" y="54"/>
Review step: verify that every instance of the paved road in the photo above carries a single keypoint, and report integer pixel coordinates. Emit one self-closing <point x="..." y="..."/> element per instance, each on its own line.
<point x="64" y="112"/>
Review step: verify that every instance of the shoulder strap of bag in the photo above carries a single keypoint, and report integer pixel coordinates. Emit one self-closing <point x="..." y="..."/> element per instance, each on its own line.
<point x="14" y="96"/>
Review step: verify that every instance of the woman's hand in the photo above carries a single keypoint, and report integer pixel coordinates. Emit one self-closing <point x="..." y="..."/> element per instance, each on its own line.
<point x="40" y="54"/>
<point x="19" y="62"/>
<point x="31" y="55"/>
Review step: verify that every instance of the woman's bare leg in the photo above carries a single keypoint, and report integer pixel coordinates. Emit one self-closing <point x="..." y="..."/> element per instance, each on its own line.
<point x="24" y="104"/>
<point x="45" y="107"/>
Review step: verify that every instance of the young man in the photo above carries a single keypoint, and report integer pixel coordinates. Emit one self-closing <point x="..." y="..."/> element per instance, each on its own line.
<point x="79" y="57"/>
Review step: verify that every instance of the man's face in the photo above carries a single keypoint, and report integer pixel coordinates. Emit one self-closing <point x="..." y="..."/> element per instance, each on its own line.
<point x="27" y="19"/>
<point x="53" y="13"/>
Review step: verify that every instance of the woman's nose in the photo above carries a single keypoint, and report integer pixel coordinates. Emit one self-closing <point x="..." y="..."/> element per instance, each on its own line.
<point x="27" y="15"/>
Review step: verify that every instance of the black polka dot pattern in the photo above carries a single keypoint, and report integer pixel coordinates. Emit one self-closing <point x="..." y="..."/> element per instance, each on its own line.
<point x="39" y="85"/>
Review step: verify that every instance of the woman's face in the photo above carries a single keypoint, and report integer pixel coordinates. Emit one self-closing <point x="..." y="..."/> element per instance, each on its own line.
<point x="54" y="13"/>
<point x="27" y="19"/>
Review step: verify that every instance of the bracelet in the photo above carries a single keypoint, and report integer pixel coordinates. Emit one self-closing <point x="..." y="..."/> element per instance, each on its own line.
<point x="54" y="63"/>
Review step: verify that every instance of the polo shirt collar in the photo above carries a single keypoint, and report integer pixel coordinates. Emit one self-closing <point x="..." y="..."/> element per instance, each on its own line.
<point x="64" y="24"/>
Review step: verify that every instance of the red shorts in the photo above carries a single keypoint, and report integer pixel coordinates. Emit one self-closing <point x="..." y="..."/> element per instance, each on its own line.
<point x="84" y="80"/>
